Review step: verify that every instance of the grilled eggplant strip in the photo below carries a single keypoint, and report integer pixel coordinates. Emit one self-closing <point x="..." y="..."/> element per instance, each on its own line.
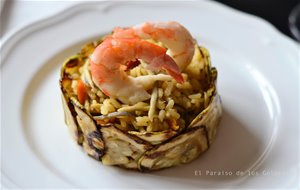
<point x="210" y="117"/>
<point x="154" y="137"/>
<point x="87" y="78"/>
<point x="71" y="122"/>
<point x="181" y="149"/>
<point x="69" y="112"/>
<point x="93" y="142"/>
<point x="121" y="148"/>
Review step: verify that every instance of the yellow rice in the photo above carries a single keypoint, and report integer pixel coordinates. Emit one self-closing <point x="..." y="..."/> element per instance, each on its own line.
<point x="171" y="106"/>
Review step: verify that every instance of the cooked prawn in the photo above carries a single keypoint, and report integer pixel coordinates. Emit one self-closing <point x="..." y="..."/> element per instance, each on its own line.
<point x="109" y="61"/>
<point x="172" y="34"/>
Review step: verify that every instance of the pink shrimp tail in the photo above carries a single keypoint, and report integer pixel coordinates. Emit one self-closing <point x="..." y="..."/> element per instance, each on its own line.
<point x="176" y="76"/>
<point x="167" y="63"/>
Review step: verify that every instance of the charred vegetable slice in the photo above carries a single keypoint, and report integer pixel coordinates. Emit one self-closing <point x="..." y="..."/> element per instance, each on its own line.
<point x="71" y="122"/>
<point x="210" y="117"/>
<point x="93" y="143"/>
<point x="154" y="137"/>
<point x="87" y="78"/>
<point x="122" y="149"/>
<point x="182" y="149"/>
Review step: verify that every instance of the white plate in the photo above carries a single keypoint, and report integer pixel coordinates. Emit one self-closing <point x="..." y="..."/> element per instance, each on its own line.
<point x="258" y="82"/>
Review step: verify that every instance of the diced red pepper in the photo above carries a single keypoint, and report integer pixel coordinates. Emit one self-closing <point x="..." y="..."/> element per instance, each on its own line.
<point x="81" y="91"/>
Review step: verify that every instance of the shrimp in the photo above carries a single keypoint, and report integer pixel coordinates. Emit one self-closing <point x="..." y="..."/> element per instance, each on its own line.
<point x="173" y="35"/>
<point x="109" y="60"/>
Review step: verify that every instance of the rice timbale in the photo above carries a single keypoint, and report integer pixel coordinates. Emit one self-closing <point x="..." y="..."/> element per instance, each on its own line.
<point x="173" y="122"/>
